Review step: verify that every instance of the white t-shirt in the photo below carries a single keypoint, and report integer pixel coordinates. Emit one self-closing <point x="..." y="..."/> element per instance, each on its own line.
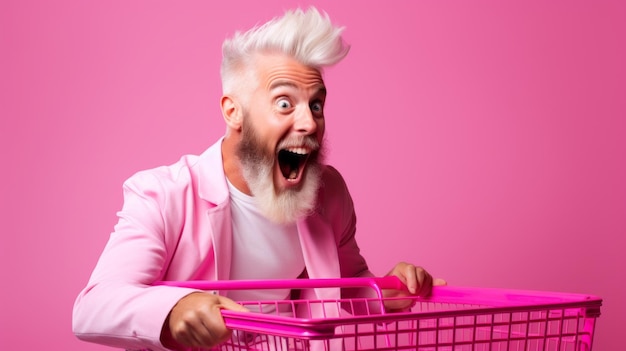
<point x="262" y="249"/>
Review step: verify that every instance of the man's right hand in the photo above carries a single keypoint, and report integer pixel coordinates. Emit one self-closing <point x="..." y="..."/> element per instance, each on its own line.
<point x="196" y="321"/>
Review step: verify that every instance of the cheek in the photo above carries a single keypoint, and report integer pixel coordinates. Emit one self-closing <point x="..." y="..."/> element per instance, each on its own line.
<point x="270" y="129"/>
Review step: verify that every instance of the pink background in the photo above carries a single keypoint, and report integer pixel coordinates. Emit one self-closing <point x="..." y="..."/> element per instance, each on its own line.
<point x="484" y="140"/>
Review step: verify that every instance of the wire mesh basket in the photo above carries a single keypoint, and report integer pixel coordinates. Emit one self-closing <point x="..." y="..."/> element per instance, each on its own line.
<point x="451" y="319"/>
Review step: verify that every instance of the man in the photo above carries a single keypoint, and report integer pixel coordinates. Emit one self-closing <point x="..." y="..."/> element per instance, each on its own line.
<point x="258" y="204"/>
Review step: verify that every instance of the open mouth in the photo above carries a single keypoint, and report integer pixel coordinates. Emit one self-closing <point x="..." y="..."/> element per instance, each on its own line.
<point x="292" y="161"/>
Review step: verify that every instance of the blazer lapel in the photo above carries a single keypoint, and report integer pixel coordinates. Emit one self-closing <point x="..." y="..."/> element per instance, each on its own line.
<point x="220" y="218"/>
<point x="318" y="247"/>
<point x="320" y="258"/>
<point x="214" y="189"/>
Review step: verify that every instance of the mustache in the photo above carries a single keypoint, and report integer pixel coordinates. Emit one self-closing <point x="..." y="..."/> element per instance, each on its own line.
<point x="299" y="141"/>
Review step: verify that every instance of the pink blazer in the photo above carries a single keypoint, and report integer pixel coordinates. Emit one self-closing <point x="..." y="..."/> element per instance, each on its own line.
<point x="175" y="224"/>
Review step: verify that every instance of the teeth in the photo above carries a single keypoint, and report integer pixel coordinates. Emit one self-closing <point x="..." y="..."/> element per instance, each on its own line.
<point x="298" y="150"/>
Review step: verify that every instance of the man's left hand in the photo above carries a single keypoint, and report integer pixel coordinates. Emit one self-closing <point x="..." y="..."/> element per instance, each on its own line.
<point x="418" y="282"/>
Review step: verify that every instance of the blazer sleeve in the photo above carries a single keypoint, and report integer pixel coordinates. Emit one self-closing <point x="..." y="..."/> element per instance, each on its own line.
<point x="339" y="206"/>
<point x="119" y="306"/>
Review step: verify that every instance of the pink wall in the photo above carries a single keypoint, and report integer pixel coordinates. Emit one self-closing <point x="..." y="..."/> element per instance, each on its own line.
<point x="484" y="140"/>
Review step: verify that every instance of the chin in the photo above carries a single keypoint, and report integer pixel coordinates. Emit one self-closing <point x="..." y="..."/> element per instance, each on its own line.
<point x="286" y="204"/>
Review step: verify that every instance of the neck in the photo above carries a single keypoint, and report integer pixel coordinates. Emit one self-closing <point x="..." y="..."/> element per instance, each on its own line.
<point x="232" y="164"/>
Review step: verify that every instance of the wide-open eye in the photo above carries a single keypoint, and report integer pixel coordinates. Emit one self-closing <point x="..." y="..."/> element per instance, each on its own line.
<point x="317" y="107"/>
<point x="283" y="104"/>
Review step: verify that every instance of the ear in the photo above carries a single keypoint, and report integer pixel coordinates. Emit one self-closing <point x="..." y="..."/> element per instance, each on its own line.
<point x="231" y="111"/>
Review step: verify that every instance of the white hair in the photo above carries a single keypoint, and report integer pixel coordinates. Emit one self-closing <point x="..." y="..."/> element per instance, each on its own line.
<point x="307" y="36"/>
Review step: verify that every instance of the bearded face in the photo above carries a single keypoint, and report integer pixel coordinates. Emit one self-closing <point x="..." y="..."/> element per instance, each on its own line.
<point x="297" y="157"/>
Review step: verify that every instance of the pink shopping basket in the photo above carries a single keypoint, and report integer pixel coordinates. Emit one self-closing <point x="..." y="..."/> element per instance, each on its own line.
<point x="451" y="319"/>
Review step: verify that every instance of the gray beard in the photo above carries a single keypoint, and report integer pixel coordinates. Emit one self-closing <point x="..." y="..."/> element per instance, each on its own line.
<point x="280" y="206"/>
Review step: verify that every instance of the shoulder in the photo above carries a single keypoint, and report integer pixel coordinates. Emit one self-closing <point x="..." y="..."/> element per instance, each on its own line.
<point x="185" y="171"/>
<point x="161" y="197"/>
<point x="176" y="175"/>
<point x="332" y="180"/>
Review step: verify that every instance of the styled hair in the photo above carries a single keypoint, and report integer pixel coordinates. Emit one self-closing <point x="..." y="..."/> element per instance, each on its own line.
<point x="307" y="36"/>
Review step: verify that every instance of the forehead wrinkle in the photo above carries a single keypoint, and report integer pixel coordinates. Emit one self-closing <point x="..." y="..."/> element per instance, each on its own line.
<point x="317" y="88"/>
<point x="310" y="79"/>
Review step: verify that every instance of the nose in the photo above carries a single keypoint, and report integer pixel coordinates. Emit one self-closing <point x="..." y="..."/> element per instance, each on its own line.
<point x="305" y="122"/>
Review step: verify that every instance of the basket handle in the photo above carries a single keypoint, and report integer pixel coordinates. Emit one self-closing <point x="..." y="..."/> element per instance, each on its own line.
<point x="376" y="283"/>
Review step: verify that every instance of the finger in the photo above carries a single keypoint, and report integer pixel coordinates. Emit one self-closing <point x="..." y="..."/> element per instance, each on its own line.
<point x="201" y="337"/>
<point x="411" y="278"/>
<point x="439" y="282"/>
<point x="213" y="330"/>
<point x="215" y="334"/>
<point x="423" y="280"/>
<point x="231" y="305"/>
<point x="190" y="334"/>
<point x="426" y="284"/>
<point x="197" y="321"/>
